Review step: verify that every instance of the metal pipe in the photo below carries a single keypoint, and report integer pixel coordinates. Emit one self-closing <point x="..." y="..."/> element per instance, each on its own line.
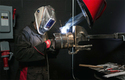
<point x="73" y="5"/>
<point x="63" y="40"/>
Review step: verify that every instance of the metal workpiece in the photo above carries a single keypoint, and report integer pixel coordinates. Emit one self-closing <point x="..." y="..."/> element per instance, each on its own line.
<point x="63" y="40"/>
<point x="100" y="36"/>
<point x="70" y="40"/>
<point x="107" y="36"/>
<point x="81" y="35"/>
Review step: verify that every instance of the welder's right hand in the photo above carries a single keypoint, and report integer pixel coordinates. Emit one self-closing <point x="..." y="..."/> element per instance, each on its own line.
<point x="50" y="44"/>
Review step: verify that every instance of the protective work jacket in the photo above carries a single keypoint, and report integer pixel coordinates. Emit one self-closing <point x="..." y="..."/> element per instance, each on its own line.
<point x="31" y="54"/>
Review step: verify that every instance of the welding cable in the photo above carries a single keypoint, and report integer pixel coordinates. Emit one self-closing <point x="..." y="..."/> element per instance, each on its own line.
<point x="38" y="50"/>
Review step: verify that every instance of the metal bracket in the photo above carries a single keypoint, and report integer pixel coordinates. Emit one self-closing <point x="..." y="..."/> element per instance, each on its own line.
<point x="80" y="47"/>
<point x="123" y="37"/>
<point x="73" y="52"/>
<point x="11" y="54"/>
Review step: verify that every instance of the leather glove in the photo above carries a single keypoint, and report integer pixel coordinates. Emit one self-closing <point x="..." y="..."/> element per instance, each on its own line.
<point x="50" y="44"/>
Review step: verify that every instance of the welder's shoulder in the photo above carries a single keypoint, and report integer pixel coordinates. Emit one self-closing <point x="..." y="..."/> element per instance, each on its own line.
<point x="26" y="33"/>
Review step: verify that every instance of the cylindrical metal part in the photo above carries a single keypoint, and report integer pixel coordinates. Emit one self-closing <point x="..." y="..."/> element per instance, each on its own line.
<point x="63" y="40"/>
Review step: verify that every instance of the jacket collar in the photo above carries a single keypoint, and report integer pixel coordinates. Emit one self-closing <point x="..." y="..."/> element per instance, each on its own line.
<point x="31" y="26"/>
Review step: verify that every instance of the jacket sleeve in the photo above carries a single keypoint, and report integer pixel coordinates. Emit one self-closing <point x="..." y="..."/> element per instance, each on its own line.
<point x="25" y="52"/>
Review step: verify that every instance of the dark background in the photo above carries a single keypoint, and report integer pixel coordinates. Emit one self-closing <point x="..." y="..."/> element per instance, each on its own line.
<point x="103" y="50"/>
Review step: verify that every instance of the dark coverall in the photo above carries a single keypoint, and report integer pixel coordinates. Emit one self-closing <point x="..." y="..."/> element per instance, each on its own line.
<point x="31" y="54"/>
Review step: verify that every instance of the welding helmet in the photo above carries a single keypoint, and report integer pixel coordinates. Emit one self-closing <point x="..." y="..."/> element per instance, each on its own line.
<point x="44" y="18"/>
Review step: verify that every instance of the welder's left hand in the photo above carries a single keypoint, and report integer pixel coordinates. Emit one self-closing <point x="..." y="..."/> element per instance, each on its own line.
<point x="50" y="44"/>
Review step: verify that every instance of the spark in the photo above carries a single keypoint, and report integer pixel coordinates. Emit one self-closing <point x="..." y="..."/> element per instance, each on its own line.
<point x="77" y="19"/>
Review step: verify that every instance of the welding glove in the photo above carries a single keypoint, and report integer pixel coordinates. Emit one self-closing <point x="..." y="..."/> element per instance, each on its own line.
<point x="50" y="44"/>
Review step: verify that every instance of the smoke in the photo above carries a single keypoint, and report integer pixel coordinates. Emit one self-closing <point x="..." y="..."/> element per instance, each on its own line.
<point x="77" y="19"/>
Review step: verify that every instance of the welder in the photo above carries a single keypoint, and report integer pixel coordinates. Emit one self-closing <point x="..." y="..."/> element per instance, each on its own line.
<point x="32" y="46"/>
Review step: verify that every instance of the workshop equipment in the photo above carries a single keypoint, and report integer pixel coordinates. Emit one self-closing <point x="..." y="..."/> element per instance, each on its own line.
<point x="108" y="69"/>
<point x="115" y="74"/>
<point x="92" y="66"/>
<point x="91" y="9"/>
<point x="7" y="22"/>
<point x="63" y="40"/>
<point x="5" y="54"/>
<point x="70" y="40"/>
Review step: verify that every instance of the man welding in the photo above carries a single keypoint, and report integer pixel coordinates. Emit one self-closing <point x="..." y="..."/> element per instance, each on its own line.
<point x="32" y="44"/>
